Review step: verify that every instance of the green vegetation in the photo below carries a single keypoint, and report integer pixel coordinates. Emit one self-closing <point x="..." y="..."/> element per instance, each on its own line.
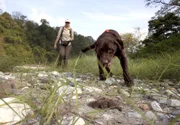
<point x="30" y="42"/>
<point x="26" y="42"/>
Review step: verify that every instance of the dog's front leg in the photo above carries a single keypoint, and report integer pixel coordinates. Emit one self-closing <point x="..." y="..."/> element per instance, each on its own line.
<point x="101" y="71"/>
<point x="124" y="65"/>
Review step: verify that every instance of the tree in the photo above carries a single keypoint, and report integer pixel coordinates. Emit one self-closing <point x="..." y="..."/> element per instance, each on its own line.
<point x="133" y="41"/>
<point x="171" y="6"/>
<point x="163" y="27"/>
<point x="44" y="22"/>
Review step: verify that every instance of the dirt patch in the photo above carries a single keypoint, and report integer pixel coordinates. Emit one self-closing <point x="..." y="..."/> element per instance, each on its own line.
<point x="105" y="103"/>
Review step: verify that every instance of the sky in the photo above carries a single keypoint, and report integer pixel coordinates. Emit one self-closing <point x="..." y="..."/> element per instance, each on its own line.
<point x="88" y="17"/>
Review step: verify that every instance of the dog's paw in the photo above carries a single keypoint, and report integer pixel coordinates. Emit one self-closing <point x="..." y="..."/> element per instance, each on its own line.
<point x="102" y="77"/>
<point x="129" y="83"/>
<point x="111" y="74"/>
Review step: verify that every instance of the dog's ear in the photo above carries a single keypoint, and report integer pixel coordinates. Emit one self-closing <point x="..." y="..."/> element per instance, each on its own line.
<point x="120" y="44"/>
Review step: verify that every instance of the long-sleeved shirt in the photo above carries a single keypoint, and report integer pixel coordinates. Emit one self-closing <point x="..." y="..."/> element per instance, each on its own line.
<point x="66" y="35"/>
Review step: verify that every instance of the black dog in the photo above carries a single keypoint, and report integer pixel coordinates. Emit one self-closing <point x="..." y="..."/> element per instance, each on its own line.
<point x="108" y="45"/>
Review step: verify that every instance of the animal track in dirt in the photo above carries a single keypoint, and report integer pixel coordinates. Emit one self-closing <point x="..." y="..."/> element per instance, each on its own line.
<point x="105" y="103"/>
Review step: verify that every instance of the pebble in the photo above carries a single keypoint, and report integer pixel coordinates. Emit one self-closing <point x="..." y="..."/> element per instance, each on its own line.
<point x="125" y="93"/>
<point x="150" y="115"/>
<point x="55" y="73"/>
<point x="144" y="107"/>
<point x="162" y="116"/>
<point x="155" y="106"/>
<point x="92" y="89"/>
<point x="77" y="121"/>
<point x="169" y="92"/>
<point x="177" y="112"/>
<point x="163" y="100"/>
<point x="174" y="103"/>
<point x="134" y="115"/>
<point x="110" y="81"/>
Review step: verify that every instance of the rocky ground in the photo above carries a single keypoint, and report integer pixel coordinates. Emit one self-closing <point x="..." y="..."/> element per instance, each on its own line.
<point x="84" y="99"/>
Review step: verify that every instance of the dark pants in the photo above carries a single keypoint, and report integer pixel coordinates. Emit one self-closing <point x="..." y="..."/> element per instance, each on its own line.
<point x="64" y="54"/>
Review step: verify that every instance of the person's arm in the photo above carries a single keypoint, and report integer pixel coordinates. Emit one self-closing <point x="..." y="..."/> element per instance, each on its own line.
<point x="57" y="38"/>
<point x="72" y="35"/>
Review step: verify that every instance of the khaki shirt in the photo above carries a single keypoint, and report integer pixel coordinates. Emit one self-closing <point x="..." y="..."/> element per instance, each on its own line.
<point x="66" y="36"/>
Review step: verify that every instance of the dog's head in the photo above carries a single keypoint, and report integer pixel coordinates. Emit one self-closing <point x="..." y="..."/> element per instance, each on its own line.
<point x="106" y="48"/>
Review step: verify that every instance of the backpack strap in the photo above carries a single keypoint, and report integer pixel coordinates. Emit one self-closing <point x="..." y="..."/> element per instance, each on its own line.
<point x="62" y="32"/>
<point x="70" y="32"/>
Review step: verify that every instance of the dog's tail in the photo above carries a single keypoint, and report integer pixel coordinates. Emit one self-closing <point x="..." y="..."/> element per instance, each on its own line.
<point x="88" y="48"/>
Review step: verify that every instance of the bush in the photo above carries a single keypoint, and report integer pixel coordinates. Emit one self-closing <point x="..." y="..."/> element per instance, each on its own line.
<point x="166" y="46"/>
<point x="7" y="63"/>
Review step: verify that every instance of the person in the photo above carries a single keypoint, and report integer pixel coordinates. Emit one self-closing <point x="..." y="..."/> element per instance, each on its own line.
<point x="65" y="37"/>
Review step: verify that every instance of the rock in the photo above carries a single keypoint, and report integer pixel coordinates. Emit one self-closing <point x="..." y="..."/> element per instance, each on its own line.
<point x="162" y="116"/>
<point x="169" y="92"/>
<point x="42" y="74"/>
<point x="177" y="112"/>
<point x="150" y="115"/>
<point x="146" y="90"/>
<point x="55" y="73"/>
<point x="1" y="73"/>
<point x="66" y="90"/>
<point x="174" y="103"/>
<point x="164" y="122"/>
<point x="137" y="88"/>
<point x="156" y="107"/>
<point x="7" y="88"/>
<point x="125" y="93"/>
<point x="110" y="81"/>
<point x="173" y="90"/>
<point x="107" y="117"/>
<point x="144" y="107"/>
<point x="73" y="121"/>
<point x="90" y="100"/>
<point x="78" y="80"/>
<point x="71" y="84"/>
<point x="163" y="100"/>
<point x="178" y="90"/>
<point x="134" y="115"/>
<point x="7" y="115"/>
<point x="154" y="90"/>
<point x="92" y="89"/>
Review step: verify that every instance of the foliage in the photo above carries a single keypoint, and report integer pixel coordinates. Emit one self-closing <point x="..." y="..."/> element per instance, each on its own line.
<point x="163" y="27"/>
<point x="166" y="7"/>
<point x="26" y="39"/>
<point x="161" y="66"/>
<point x="169" y="45"/>
<point x="133" y="41"/>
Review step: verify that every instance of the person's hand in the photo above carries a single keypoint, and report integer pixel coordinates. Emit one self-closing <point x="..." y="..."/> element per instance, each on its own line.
<point x="55" y="46"/>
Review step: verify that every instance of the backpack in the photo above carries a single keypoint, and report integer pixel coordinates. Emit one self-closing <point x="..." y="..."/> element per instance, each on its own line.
<point x="65" y="43"/>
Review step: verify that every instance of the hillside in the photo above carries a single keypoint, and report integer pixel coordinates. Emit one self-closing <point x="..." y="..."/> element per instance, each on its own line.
<point x="31" y="42"/>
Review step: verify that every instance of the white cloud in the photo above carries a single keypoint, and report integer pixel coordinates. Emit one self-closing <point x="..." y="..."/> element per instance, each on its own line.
<point x="38" y="14"/>
<point x="124" y="17"/>
<point x="2" y="5"/>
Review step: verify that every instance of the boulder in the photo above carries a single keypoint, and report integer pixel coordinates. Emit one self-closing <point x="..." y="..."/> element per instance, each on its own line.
<point x="7" y="115"/>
